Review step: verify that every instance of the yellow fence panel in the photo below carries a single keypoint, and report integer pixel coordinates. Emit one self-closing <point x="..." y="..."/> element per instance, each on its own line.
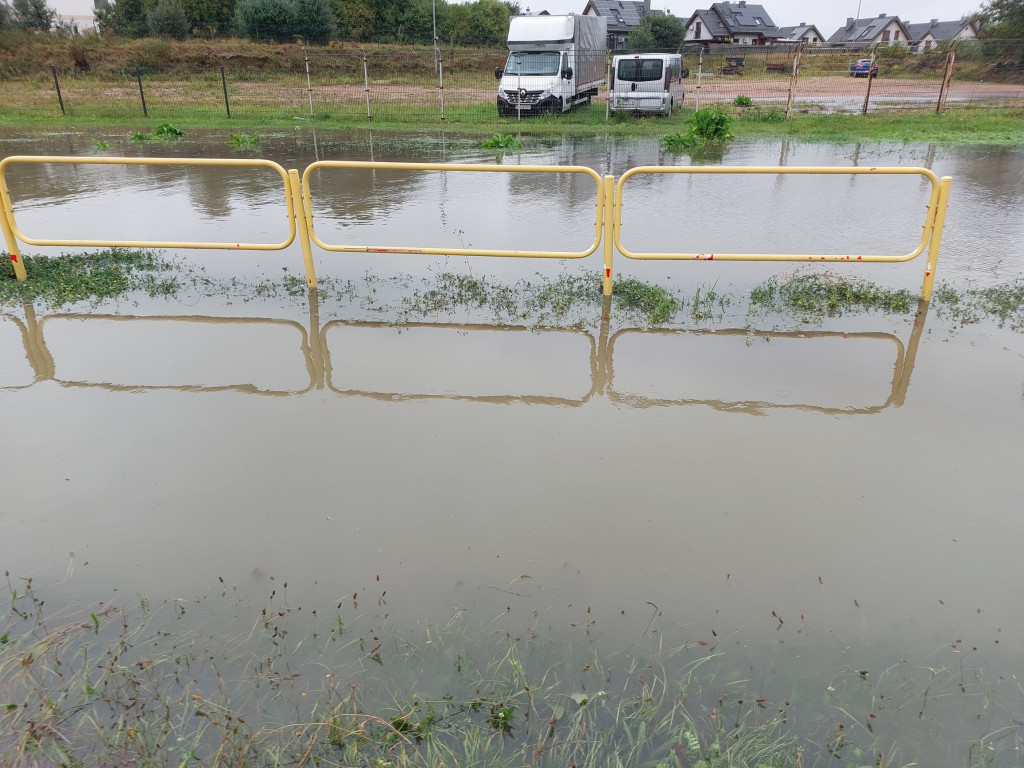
<point x="599" y="204"/>
<point x="931" y="231"/>
<point x="42" y="159"/>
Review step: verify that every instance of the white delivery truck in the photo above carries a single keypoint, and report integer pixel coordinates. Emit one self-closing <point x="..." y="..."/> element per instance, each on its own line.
<point x="646" y="82"/>
<point x="554" y="63"/>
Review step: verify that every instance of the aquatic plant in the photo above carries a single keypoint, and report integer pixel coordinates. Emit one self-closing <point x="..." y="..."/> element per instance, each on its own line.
<point x="243" y="140"/>
<point x="501" y="141"/>
<point x="707" y="126"/>
<point x="815" y="295"/>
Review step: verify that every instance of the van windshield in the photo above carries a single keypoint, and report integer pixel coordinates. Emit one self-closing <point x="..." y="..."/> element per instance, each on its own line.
<point x="639" y="70"/>
<point x="533" y="63"/>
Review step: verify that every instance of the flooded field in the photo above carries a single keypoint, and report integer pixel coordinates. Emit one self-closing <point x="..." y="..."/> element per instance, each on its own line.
<point x="818" y="513"/>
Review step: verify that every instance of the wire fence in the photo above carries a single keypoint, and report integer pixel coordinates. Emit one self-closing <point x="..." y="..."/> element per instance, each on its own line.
<point x="419" y="86"/>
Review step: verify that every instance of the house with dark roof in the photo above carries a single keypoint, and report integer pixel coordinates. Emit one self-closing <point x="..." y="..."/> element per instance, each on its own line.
<point x="864" y="33"/>
<point x="808" y="34"/>
<point x="622" y="16"/>
<point x="925" y="37"/>
<point x="740" y="23"/>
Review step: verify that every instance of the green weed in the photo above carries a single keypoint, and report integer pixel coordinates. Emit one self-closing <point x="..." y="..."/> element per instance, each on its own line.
<point x="244" y="140"/>
<point x="1004" y="303"/>
<point x="163" y="132"/>
<point x="813" y="296"/>
<point x="707" y="126"/>
<point x="100" y="145"/>
<point x="501" y="141"/>
<point x="89" y="277"/>
<point x="742" y="101"/>
<point x="655" y="304"/>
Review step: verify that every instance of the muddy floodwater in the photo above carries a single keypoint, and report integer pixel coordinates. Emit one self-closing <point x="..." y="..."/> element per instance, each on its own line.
<point x="813" y="497"/>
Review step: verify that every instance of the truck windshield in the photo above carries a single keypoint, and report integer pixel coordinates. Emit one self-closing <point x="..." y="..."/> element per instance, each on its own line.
<point x="639" y="70"/>
<point x="533" y="63"/>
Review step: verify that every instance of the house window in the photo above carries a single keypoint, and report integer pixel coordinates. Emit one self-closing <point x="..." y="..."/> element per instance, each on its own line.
<point x="896" y="35"/>
<point x="927" y="45"/>
<point x="696" y="29"/>
<point x="885" y="36"/>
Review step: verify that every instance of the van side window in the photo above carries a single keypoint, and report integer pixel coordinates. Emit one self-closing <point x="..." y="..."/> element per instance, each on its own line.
<point x="640" y="70"/>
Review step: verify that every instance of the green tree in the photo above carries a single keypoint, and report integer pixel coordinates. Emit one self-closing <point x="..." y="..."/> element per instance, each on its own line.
<point x="657" y="32"/>
<point x="354" y="19"/>
<point x="458" y="25"/>
<point x="167" y="19"/>
<point x="124" y="18"/>
<point x="285" y="20"/>
<point x="1002" y="19"/>
<point x="314" y="21"/>
<point x="489" y="23"/>
<point x="6" y="16"/>
<point x="208" y="14"/>
<point x="34" y="15"/>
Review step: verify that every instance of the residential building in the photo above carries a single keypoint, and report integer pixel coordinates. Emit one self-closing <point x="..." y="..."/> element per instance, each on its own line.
<point x="808" y="34"/>
<point x="622" y="16"/>
<point x="741" y="23"/>
<point x="925" y="37"/>
<point x="864" y="33"/>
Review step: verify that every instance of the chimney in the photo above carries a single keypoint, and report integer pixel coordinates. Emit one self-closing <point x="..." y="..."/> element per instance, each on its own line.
<point x="934" y="22"/>
<point x="647" y="6"/>
<point x="742" y="3"/>
<point x="881" y="15"/>
<point x="849" y="22"/>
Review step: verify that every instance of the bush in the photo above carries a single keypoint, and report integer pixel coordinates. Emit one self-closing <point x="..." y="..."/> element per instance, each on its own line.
<point x="167" y="19"/>
<point x="33" y="15"/>
<point x="284" y="21"/>
<point x="707" y="126"/>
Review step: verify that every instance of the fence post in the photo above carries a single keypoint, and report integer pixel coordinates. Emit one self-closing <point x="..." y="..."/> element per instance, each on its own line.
<point x="947" y="76"/>
<point x="867" y="93"/>
<point x="794" y="75"/>
<point x="608" y="100"/>
<point x="366" y="84"/>
<point x="309" y="84"/>
<point x="224" y="82"/>
<point x="56" y="84"/>
<point x="935" y="240"/>
<point x="608" y="209"/>
<point x="138" y="77"/>
<point x="440" y="74"/>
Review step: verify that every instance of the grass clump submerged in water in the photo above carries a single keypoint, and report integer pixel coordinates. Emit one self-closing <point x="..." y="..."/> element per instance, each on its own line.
<point x="652" y="302"/>
<point x="153" y="685"/>
<point x="107" y="274"/>
<point x="814" y="296"/>
<point x="1004" y="303"/>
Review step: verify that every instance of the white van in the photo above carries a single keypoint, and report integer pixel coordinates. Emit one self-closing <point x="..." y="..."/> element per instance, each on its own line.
<point x="646" y="82"/>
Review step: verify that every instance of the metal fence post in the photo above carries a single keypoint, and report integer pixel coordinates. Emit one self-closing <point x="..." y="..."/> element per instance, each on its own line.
<point x="440" y="87"/>
<point x="138" y="77"/>
<point x="366" y="84"/>
<point x="608" y="209"/>
<point x="224" y="82"/>
<point x="56" y="84"/>
<point x="309" y="83"/>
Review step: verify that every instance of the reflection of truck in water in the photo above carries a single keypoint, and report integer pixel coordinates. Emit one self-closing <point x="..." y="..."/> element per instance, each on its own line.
<point x="646" y="82"/>
<point x="554" y="63"/>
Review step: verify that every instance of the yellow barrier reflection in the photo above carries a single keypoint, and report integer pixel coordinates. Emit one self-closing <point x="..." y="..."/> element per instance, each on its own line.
<point x="515" y="373"/>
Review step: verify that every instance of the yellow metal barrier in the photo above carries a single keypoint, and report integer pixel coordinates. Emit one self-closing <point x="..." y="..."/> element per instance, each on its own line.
<point x="608" y="205"/>
<point x="458" y="168"/>
<point x="935" y="216"/>
<point x="292" y="198"/>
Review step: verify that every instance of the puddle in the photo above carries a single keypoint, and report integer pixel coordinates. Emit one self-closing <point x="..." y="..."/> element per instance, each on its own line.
<point x="813" y="501"/>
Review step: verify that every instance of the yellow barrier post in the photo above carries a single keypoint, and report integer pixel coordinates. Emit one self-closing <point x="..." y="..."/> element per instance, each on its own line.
<point x="8" y="230"/>
<point x="938" y="223"/>
<point x="300" y="214"/>
<point x="609" y="239"/>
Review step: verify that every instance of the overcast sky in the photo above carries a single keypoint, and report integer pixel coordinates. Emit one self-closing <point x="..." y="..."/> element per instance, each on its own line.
<point x="826" y="15"/>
